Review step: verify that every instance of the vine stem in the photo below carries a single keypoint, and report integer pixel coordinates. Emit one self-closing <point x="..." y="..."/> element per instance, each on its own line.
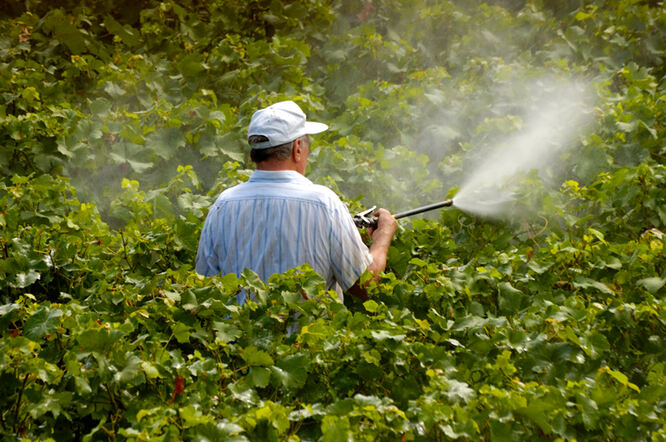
<point x="18" y="402"/>
<point x="113" y="400"/>
<point x="122" y="238"/>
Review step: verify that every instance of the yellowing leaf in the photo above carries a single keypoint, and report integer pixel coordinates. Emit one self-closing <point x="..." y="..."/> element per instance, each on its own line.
<point x="150" y="370"/>
<point x="580" y="16"/>
<point x="371" y="306"/>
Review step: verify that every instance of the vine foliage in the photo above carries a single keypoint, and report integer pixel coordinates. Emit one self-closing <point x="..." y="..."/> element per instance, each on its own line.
<point x="120" y="122"/>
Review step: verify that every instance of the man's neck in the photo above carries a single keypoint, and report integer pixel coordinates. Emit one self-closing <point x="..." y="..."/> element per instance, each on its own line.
<point x="274" y="165"/>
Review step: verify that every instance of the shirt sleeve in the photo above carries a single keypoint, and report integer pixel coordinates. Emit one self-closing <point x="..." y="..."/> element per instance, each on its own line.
<point x="349" y="256"/>
<point x="207" y="263"/>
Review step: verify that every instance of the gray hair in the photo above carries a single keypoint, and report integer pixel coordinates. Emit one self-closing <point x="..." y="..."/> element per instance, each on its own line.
<point x="281" y="152"/>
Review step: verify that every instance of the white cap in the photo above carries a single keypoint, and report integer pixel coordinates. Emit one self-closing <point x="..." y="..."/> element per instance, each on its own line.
<point x="281" y="123"/>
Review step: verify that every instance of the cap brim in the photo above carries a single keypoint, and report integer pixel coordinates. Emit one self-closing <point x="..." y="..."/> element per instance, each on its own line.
<point x="312" y="127"/>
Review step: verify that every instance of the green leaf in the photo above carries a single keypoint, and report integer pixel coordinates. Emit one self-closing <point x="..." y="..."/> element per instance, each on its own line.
<point x="191" y="65"/>
<point x="371" y="306"/>
<point x="504" y="363"/>
<point x="45" y="371"/>
<point x="151" y="371"/>
<point x="8" y="308"/>
<point x="418" y="262"/>
<point x="53" y="402"/>
<point x="82" y="385"/>
<point x="254" y="284"/>
<point x="652" y="285"/>
<point x="580" y="16"/>
<point x="621" y="378"/>
<point x="113" y="89"/>
<point x="611" y="262"/>
<point x="126" y="33"/>
<point x="63" y="30"/>
<point x="162" y="207"/>
<point x="627" y="127"/>
<point x="44" y="321"/>
<point x="221" y="430"/>
<point x="226" y="332"/>
<point x="228" y="145"/>
<point x="586" y="283"/>
<point x="244" y="393"/>
<point x="181" y="332"/>
<point x="192" y="417"/>
<point x="293" y="370"/>
<point x="100" y="106"/>
<point x="539" y="268"/>
<point x="189" y="300"/>
<point x="459" y="391"/>
<point x="509" y="299"/>
<point x="372" y="357"/>
<point x="130" y="371"/>
<point x="139" y="166"/>
<point x="193" y="203"/>
<point x="255" y="357"/>
<point x="570" y="335"/>
<point x="590" y="411"/>
<point x="8" y="314"/>
<point x="595" y="344"/>
<point x="335" y="429"/>
<point x="95" y="340"/>
<point x="258" y="377"/>
<point x="25" y="279"/>
<point x="381" y="335"/>
<point x="165" y="142"/>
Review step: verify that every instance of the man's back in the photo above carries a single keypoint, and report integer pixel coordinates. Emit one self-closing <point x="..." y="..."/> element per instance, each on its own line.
<point x="279" y="220"/>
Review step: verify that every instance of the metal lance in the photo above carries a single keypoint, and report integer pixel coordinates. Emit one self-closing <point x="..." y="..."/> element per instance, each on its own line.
<point x="365" y="218"/>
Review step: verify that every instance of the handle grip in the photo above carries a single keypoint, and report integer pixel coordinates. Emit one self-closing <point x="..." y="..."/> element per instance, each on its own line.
<point x="365" y="218"/>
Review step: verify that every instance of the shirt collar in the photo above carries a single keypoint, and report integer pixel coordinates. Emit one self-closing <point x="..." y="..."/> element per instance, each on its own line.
<point x="278" y="176"/>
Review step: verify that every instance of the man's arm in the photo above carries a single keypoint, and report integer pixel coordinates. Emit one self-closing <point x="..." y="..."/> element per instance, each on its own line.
<point x="381" y="241"/>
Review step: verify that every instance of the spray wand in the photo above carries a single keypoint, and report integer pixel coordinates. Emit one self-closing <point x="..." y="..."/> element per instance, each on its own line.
<point x="365" y="218"/>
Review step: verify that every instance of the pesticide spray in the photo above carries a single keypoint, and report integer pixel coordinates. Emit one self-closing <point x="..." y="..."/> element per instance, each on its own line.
<point x="558" y="117"/>
<point x="555" y="118"/>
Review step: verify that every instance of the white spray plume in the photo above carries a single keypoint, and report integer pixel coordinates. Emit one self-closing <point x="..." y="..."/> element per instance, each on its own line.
<point x="555" y="118"/>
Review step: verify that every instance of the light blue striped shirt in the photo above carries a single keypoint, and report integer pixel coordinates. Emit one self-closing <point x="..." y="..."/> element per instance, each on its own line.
<point x="279" y="220"/>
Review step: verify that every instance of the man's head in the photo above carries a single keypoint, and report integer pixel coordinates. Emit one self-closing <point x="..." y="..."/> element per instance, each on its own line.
<point x="289" y="156"/>
<point x="275" y="130"/>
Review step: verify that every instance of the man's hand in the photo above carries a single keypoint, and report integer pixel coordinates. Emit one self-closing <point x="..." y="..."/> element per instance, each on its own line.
<point x="386" y="226"/>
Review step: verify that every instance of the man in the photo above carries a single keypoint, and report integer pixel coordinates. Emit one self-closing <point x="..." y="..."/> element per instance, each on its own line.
<point x="279" y="219"/>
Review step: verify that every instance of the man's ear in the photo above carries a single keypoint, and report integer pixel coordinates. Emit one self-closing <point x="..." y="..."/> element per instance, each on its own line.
<point x="297" y="150"/>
